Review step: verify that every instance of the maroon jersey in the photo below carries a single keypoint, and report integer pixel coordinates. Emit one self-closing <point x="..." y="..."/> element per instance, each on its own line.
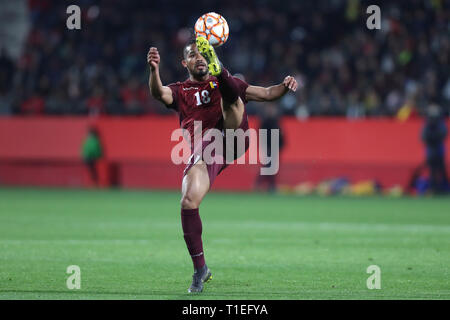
<point x="200" y="101"/>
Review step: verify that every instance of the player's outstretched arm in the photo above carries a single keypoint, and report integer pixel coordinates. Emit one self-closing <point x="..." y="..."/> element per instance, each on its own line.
<point x="255" y="93"/>
<point x="158" y="91"/>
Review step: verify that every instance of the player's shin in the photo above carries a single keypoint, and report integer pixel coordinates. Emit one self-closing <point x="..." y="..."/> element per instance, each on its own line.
<point x="192" y="230"/>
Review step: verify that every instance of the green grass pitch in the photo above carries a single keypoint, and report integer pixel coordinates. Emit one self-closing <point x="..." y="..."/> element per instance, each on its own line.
<point x="129" y="245"/>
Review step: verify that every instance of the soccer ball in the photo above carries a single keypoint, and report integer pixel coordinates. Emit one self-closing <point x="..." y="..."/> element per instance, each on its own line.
<point x="213" y="27"/>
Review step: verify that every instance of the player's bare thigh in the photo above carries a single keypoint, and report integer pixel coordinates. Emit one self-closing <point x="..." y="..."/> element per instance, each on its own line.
<point x="195" y="185"/>
<point x="232" y="114"/>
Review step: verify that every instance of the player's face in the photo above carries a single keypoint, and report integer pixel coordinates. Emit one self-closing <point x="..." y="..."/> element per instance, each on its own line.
<point x="195" y="62"/>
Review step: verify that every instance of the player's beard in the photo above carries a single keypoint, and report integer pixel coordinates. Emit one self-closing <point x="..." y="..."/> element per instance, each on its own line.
<point x="198" y="74"/>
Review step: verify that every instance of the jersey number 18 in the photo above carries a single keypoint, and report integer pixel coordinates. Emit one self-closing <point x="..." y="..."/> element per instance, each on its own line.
<point x="204" y="99"/>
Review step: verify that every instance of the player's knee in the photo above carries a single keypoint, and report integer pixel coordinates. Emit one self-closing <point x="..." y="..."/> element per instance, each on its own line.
<point x="188" y="202"/>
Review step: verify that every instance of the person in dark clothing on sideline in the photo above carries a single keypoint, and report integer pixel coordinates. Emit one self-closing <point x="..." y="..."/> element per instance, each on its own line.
<point x="270" y="121"/>
<point x="433" y="135"/>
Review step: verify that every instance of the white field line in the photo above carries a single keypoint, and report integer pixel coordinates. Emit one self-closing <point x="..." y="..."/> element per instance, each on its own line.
<point x="335" y="226"/>
<point x="288" y="226"/>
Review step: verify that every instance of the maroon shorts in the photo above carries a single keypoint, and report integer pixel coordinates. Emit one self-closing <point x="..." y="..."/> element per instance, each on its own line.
<point x="214" y="169"/>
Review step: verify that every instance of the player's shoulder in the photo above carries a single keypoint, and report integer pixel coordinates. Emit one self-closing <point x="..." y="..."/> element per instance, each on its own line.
<point x="175" y="84"/>
<point x="182" y="84"/>
<point x="240" y="81"/>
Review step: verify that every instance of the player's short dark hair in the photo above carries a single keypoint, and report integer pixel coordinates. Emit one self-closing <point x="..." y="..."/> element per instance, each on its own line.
<point x="191" y="41"/>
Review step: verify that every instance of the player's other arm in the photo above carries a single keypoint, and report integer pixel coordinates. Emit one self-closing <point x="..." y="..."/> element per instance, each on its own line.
<point x="158" y="91"/>
<point x="255" y="93"/>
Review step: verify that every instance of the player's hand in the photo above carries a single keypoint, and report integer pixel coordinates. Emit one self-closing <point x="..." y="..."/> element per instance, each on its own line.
<point x="153" y="58"/>
<point x="290" y="83"/>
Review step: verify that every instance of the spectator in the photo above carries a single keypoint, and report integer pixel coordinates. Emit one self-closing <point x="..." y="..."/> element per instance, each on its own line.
<point x="96" y="102"/>
<point x="33" y="105"/>
<point x="7" y="69"/>
<point x="133" y="97"/>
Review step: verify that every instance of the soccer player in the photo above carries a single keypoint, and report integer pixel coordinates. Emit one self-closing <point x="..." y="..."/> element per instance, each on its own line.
<point x="211" y="95"/>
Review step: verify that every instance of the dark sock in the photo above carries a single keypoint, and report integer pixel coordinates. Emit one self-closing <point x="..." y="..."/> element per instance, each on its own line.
<point x="228" y="87"/>
<point x="192" y="229"/>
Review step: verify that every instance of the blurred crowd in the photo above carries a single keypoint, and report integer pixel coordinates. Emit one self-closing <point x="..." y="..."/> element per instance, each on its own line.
<point x="343" y="68"/>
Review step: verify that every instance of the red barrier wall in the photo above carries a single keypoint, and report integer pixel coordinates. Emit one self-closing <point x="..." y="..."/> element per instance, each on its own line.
<point x="46" y="151"/>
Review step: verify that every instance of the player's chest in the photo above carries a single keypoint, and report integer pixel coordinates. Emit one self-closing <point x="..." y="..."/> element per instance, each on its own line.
<point x="197" y="97"/>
